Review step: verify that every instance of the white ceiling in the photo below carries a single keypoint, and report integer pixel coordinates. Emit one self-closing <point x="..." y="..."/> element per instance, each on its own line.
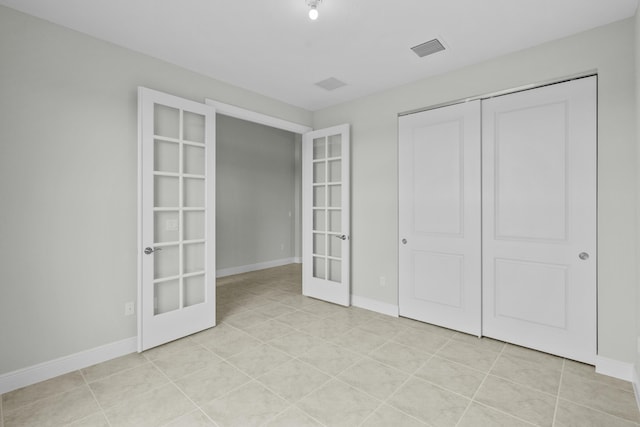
<point x="271" y="47"/>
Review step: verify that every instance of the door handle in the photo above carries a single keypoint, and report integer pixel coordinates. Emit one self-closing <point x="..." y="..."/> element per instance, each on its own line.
<point x="341" y="237"/>
<point x="583" y="256"/>
<point x="149" y="250"/>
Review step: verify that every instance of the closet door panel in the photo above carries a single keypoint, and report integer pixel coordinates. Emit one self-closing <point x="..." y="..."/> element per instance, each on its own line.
<point x="539" y="218"/>
<point x="439" y="212"/>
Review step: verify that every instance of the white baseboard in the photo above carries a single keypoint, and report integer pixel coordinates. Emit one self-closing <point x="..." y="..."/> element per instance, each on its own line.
<point x="253" y="267"/>
<point x="636" y="385"/>
<point x="615" y="368"/>
<point x="373" y="305"/>
<point x="63" y="365"/>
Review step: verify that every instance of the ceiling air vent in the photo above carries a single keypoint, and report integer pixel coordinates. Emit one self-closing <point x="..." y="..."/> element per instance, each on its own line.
<point x="428" y="48"/>
<point x="331" y="83"/>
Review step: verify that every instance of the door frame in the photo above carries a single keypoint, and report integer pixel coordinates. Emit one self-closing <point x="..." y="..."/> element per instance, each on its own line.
<point x="264" y="119"/>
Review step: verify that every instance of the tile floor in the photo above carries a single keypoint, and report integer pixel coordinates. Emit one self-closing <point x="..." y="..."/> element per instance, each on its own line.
<point x="277" y="358"/>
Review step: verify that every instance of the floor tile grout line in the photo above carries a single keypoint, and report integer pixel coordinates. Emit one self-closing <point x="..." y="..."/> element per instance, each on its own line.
<point x="95" y="398"/>
<point x="186" y="396"/>
<point x="555" y="410"/>
<point x="473" y="398"/>
<point x="388" y="399"/>
<point x="600" y="411"/>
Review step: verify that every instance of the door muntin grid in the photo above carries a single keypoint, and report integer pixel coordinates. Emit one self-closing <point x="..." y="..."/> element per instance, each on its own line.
<point x="327" y="208"/>
<point x="179" y="209"/>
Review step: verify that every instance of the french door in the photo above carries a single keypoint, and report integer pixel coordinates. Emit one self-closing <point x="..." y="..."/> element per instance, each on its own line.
<point x="536" y="263"/>
<point x="326" y="211"/>
<point x="176" y="290"/>
<point x="439" y="199"/>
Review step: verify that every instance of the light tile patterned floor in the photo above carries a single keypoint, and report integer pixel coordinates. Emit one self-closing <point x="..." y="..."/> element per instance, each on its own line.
<point x="277" y="358"/>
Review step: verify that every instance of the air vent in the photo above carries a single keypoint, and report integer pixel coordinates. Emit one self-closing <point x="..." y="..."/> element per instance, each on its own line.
<point x="428" y="48"/>
<point x="331" y="84"/>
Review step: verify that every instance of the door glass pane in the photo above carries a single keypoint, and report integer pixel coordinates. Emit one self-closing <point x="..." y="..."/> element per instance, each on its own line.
<point x="319" y="196"/>
<point x="165" y="191"/>
<point x="193" y="290"/>
<point x="166" y="227"/>
<point x="165" y="156"/>
<point x="193" y="160"/>
<point x="166" y="121"/>
<point x="335" y="246"/>
<point x="319" y="244"/>
<point x="166" y="262"/>
<point x="335" y="221"/>
<point x="193" y="127"/>
<point x="335" y="196"/>
<point x="319" y="148"/>
<point x="335" y="270"/>
<point x="319" y="173"/>
<point x="335" y="146"/>
<point x="319" y="267"/>
<point x="335" y="171"/>
<point x="194" y="193"/>
<point x="193" y="225"/>
<point x="318" y="220"/>
<point x="193" y="257"/>
<point x="166" y="296"/>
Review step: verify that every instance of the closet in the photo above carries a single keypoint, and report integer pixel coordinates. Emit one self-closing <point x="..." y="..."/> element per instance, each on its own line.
<point x="497" y="217"/>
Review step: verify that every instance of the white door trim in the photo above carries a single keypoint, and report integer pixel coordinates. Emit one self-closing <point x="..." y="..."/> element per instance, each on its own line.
<point x="255" y="117"/>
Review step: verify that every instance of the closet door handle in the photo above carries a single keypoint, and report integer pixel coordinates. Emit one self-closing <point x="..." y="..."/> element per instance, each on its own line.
<point x="404" y="241"/>
<point x="583" y="256"/>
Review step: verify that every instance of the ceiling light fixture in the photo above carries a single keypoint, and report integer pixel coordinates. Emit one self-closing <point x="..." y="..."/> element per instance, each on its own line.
<point x="313" y="12"/>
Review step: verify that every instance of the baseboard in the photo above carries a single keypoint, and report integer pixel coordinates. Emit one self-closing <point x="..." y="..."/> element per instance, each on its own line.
<point x="63" y="365"/>
<point x="636" y="385"/>
<point x="615" y="368"/>
<point x="253" y="267"/>
<point x="373" y="305"/>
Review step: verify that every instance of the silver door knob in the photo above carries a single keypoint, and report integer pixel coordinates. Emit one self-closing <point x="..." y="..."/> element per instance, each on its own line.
<point x="341" y="237"/>
<point x="583" y="256"/>
<point x="149" y="250"/>
<point x="404" y="241"/>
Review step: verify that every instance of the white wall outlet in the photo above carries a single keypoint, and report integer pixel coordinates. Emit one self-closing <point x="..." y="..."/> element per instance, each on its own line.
<point x="281" y="247"/>
<point x="383" y="281"/>
<point x="129" y="308"/>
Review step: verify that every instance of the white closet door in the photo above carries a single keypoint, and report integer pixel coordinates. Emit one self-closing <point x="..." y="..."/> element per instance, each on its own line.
<point x="439" y="217"/>
<point x="539" y="218"/>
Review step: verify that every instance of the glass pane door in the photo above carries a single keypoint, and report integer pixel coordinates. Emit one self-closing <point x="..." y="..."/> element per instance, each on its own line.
<point x="179" y="183"/>
<point x="327" y="208"/>
<point x="326" y="214"/>
<point x="177" y="218"/>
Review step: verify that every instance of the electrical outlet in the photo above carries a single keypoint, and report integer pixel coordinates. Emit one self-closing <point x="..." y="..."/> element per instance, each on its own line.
<point x="383" y="281"/>
<point x="281" y="246"/>
<point x="129" y="308"/>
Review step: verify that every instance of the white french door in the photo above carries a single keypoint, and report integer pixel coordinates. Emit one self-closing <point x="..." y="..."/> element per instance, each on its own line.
<point x="326" y="212"/>
<point x="539" y="206"/>
<point x="439" y="217"/>
<point x="176" y="290"/>
<point x="526" y="260"/>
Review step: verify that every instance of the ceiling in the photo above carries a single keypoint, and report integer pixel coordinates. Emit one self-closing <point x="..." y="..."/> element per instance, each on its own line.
<point x="272" y="48"/>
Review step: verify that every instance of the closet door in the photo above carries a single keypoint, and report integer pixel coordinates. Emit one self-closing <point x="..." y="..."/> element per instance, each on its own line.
<point x="439" y="217"/>
<point x="539" y="218"/>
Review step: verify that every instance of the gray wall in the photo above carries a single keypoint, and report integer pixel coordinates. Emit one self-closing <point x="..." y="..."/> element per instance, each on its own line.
<point x="68" y="183"/>
<point x="609" y="50"/>
<point x="255" y="193"/>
